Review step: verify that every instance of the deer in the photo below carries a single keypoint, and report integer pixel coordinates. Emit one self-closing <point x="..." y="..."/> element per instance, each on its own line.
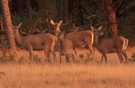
<point x="66" y="47"/>
<point x="42" y="41"/>
<point x="105" y="46"/>
<point x="63" y="46"/>
<point x="79" y="39"/>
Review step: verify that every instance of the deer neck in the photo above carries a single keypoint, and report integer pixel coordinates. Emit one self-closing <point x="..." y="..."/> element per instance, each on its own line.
<point x="96" y="41"/>
<point x="62" y="39"/>
<point x="18" y="37"/>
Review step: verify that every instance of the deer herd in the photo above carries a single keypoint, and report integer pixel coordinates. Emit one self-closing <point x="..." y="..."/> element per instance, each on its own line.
<point x="67" y="43"/>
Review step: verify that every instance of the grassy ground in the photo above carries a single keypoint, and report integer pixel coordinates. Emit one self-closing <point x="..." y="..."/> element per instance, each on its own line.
<point x="79" y="75"/>
<point x="67" y="76"/>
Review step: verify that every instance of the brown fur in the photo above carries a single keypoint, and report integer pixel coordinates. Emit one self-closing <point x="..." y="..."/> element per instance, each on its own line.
<point x="81" y="39"/>
<point x="43" y="41"/>
<point x="65" y="49"/>
<point x="64" y="46"/>
<point x="111" y="45"/>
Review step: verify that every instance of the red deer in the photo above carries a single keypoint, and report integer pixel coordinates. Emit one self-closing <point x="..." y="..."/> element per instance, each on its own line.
<point x="43" y="41"/>
<point x="63" y="46"/>
<point x="110" y="45"/>
<point x="79" y="39"/>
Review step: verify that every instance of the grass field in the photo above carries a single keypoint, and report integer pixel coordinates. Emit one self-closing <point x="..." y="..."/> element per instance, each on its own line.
<point x="79" y="75"/>
<point x="67" y="76"/>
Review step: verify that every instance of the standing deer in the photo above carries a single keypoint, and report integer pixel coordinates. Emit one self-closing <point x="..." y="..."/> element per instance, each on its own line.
<point x="79" y="39"/>
<point x="63" y="46"/>
<point x="110" y="45"/>
<point x="43" y="41"/>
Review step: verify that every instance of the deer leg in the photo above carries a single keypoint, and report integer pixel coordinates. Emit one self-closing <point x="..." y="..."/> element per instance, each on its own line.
<point x="105" y="56"/>
<point x="72" y="55"/>
<point x="53" y="54"/>
<point x="120" y="56"/>
<point x="48" y="56"/>
<point x="125" y="55"/>
<point x="67" y="58"/>
<point x="60" y="57"/>
<point x="31" y="54"/>
<point x="102" y="58"/>
<point x="46" y="53"/>
<point x="75" y="51"/>
<point x="92" y="50"/>
<point x="89" y="44"/>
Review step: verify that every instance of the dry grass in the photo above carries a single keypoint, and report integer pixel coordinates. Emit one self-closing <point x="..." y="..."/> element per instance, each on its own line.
<point x="80" y="75"/>
<point x="67" y="76"/>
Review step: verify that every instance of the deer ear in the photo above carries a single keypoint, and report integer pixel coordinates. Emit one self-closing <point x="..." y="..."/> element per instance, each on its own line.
<point x="52" y="22"/>
<point x="92" y="28"/>
<point x="60" y="22"/>
<point x="100" y="27"/>
<point x="11" y="26"/>
<point x="19" y="25"/>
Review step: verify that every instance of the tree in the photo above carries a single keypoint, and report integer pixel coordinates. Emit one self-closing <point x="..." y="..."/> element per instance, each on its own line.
<point x="66" y="10"/>
<point x="7" y="24"/>
<point x="59" y="9"/>
<point x="110" y="17"/>
<point x="28" y="7"/>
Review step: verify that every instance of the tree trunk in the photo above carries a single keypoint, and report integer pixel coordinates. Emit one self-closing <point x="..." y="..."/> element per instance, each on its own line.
<point x="60" y="9"/>
<point x="79" y="13"/>
<point x="66" y="10"/>
<point x="110" y="17"/>
<point x="8" y="23"/>
<point x="28" y="8"/>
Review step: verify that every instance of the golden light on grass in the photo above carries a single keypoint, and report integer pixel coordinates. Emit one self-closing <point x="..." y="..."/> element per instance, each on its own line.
<point x="79" y="75"/>
<point x="67" y="76"/>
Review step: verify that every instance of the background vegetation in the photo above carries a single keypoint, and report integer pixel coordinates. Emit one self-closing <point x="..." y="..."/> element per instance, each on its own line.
<point x="37" y="13"/>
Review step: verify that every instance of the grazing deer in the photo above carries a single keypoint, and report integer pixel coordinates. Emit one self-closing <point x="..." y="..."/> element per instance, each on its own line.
<point x="43" y="41"/>
<point x="66" y="46"/>
<point x="63" y="46"/>
<point x="79" y="39"/>
<point x="110" y="45"/>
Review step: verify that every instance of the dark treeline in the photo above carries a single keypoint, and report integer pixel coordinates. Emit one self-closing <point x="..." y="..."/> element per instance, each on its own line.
<point x="37" y="14"/>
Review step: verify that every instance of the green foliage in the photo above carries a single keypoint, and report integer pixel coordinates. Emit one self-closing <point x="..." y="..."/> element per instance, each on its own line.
<point x="36" y="18"/>
<point x="46" y="10"/>
<point x="126" y="22"/>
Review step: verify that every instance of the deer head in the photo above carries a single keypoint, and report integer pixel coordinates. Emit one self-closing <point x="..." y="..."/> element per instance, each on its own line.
<point x="97" y="32"/>
<point x="15" y="28"/>
<point x="56" y="25"/>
